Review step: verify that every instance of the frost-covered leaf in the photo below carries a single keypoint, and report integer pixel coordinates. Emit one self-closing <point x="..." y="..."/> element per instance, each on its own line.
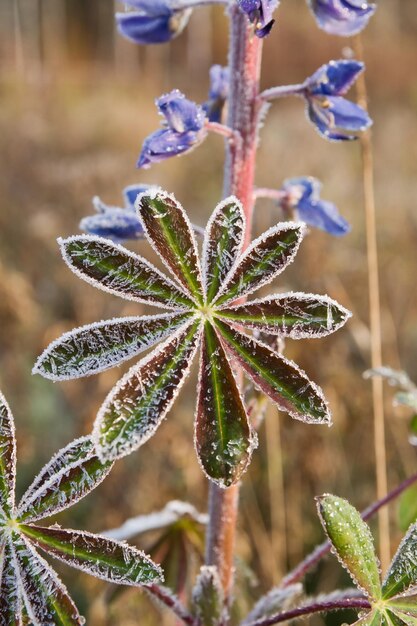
<point x="397" y="618"/>
<point x="7" y="457"/>
<point x="102" y="557"/>
<point x="223" y="243"/>
<point x="294" y="315"/>
<point x="96" y="347"/>
<point x="69" y="476"/>
<point x="405" y="604"/>
<point x="278" y="377"/>
<point x="402" y="574"/>
<point x="223" y="436"/>
<point x="352" y="542"/>
<point x="407" y="507"/>
<point x="118" y="271"/>
<point x="10" y="597"/>
<point x="276" y="600"/>
<point x="374" y="618"/>
<point x="170" y="233"/>
<point x="208" y="597"/>
<point x="265" y="258"/>
<point x="46" y="598"/>
<point x="139" y="402"/>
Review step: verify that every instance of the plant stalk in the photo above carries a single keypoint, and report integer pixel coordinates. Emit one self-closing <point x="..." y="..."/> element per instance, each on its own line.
<point x="243" y="120"/>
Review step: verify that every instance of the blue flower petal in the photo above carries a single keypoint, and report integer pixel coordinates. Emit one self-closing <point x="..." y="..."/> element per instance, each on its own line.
<point x="218" y="93"/>
<point x="347" y="114"/>
<point x="164" y="144"/>
<point x="115" y="224"/>
<point x="342" y="17"/>
<point x="334" y="78"/>
<point x="130" y="194"/>
<point x="180" y="113"/>
<point x="153" y="22"/>
<point x="260" y="13"/>
<point x="303" y="195"/>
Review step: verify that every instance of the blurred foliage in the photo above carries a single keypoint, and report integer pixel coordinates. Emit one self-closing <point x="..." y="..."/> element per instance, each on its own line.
<point x="76" y="104"/>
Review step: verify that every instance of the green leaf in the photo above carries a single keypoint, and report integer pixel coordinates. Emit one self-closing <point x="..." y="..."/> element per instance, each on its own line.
<point x="46" y="598"/>
<point x="407" y="507"/>
<point x="10" y="597"/>
<point x="97" y="347"/>
<point x="118" y="271"/>
<point x="136" y="406"/>
<point x="396" y="618"/>
<point x="265" y="258"/>
<point x="374" y="618"/>
<point x="405" y="604"/>
<point x="402" y="573"/>
<point x="104" y="558"/>
<point x="223" y="436"/>
<point x="7" y="458"/>
<point x="352" y="542"/>
<point x="278" y="377"/>
<point x="170" y="233"/>
<point x="294" y="315"/>
<point x="208" y="597"/>
<point x="69" y="476"/>
<point x="223" y="243"/>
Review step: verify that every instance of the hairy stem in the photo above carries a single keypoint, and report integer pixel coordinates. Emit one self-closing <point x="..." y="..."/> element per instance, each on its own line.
<point x="170" y="600"/>
<point x="243" y="120"/>
<point x="375" y="319"/>
<point x="316" y="607"/>
<point x="320" y="551"/>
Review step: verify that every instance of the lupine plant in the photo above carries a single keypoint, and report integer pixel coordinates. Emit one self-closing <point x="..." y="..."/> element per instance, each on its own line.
<point x="206" y="298"/>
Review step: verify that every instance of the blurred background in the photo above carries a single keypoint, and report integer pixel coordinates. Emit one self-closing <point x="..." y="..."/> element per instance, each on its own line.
<point x="76" y="103"/>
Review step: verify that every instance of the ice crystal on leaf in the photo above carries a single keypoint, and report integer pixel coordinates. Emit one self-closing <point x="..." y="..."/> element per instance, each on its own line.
<point x="393" y="602"/>
<point x="206" y="313"/>
<point x="27" y="583"/>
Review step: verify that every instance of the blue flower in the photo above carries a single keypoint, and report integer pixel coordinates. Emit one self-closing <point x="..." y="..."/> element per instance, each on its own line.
<point x="153" y="21"/>
<point x="342" y="17"/>
<point x="184" y="129"/>
<point x="303" y="196"/>
<point x="115" y="223"/>
<point x="260" y="13"/>
<point x="335" y="117"/>
<point x="218" y="93"/>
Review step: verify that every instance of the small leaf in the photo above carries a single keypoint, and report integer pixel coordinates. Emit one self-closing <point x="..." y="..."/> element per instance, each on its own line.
<point x="46" y="598"/>
<point x="10" y="597"/>
<point x="405" y="604"/>
<point x="208" y="597"/>
<point x="69" y="476"/>
<point x="294" y="315"/>
<point x="170" y="233"/>
<point x="136" y="406"/>
<point x="396" y="618"/>
<point x="352" y="542"/>
<point x="97" y="347"/>
<point x="407" y="507"/>
<point x="104" y="558"/>
<point x="278" y="377"/>
<point x="7" y="457"/>
<point x="118" y="271"/>
<point x="276" y="600"/>
<point x="223" y="435"/>
<point x="223" y="243"/>
<point x="374" y="618"/>
<point x="402" y="574"/>
<point x="265" y="258"/>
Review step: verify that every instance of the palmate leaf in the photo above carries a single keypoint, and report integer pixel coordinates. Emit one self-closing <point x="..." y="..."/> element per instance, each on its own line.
<point x="277" y="377"/>
<point x="265" y="258"/>
<point x="294" y="315"/>
<point x="96" y="347"/>
<point x="70" y="475"/>
<point x="223" y="244"/>
<point x="404" y="604"/>
<point x="46" y="598"/>
<point x="136" y="406"/>
<point x="352" y="542"/>
<point x="118" y="271"/>
<point x="102" y="557"/>
<point x="374" y="618"/>
<point x="223" y="436"/>
<point x="7" y="457"/>
<point x="402" y="574"/>
<point x="170" y="233"/>
<point x="10" y="598"/>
